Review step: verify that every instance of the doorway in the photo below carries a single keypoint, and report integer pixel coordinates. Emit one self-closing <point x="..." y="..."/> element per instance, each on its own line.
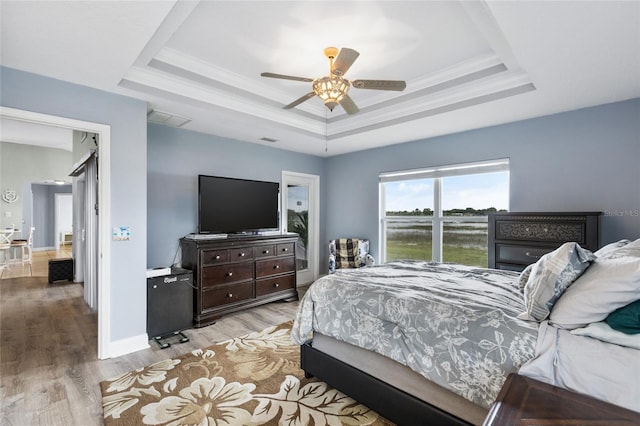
<point x="300" y="214"/>
<point x="103" y="259"/>
<point x="63" y="219"/>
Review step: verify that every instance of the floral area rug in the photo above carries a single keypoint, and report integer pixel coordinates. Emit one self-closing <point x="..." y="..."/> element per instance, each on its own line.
<point x="251" y="380"/>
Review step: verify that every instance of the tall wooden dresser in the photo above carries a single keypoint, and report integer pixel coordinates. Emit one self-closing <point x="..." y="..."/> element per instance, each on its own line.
<point x="236" y="273"/>
<point x="517" y="239"/>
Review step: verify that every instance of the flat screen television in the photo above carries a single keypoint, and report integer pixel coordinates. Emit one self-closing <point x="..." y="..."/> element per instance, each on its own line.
<point x="235" y="206"/>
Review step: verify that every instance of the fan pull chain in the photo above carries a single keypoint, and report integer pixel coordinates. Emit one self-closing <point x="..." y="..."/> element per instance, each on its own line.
<point x="326" y="131"/>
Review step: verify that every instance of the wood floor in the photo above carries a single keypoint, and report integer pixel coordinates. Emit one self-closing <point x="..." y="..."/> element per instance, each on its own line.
<point x="49" y="371"/>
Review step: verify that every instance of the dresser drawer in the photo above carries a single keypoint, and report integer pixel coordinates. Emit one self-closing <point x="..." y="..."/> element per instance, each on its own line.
<point x="265" y="268"/>
<point x="264" y="251"/>
<point x="227" y="294"/>
<point x="554" y="232"/>
<point x="225" y="274"/>
<point x="523" y="255"/>
<point x="240" y="254"/>
<point x="285" y="249"/>
<point x="272" y="285"/>
<point x="212" y="257"/>
<point x="510" y="267"/>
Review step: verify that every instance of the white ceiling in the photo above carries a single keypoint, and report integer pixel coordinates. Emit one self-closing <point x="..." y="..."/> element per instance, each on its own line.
<point x="467" y="64"/>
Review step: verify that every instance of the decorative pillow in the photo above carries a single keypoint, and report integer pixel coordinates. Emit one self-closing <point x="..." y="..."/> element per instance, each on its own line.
<point x="524" y="277"/>
<point x="607" y="285"/>
<point x="551" y="276"/>
<point x="626" y="319"/>
<point x="347" y="253"/>
<point x="601" y="331"/>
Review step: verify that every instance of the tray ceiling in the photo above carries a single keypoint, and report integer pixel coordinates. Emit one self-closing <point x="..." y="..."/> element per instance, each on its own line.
<point x="466" y="64"/>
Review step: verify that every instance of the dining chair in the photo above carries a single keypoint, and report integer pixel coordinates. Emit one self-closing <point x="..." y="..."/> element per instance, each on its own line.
<point x="25" y="247"/>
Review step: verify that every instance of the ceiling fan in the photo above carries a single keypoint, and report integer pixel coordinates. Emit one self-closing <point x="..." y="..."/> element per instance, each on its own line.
<point x="332" y="89"/>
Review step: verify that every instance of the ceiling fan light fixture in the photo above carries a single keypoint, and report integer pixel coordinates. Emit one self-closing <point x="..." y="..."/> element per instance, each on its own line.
<point x="331" y="89"/>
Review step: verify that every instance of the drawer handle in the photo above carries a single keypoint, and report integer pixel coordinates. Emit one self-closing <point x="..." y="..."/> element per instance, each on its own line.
<point x="241" y="255"/>
<point x="276" y="266"/>
<point x="285" y="249"/>
<point x="229" y="274"/>
<point x="528" y="254"/>
<point x="229" y="295"/>
<point x="217" y="257"/>
<point x="276" y="285"/>
<point x="265" y="252"/>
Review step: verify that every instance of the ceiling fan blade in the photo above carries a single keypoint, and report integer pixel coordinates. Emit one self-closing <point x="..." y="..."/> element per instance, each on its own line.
<point x="397" y="85"/>
<point x="299" y="100"/>
<point x="349" y="106"/>
<point x="343" y="62"/>
<point x="286" y="77"/>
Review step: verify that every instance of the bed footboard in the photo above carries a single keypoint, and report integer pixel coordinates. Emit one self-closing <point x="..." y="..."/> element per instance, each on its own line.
<point x="386" y="400"/>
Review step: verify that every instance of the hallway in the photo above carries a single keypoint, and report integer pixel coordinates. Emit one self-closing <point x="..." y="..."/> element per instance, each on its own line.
<point x="40" y="263"/>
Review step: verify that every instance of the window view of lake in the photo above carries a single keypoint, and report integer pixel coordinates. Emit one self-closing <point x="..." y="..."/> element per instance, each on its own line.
<point x="465" y="201"/>
<point x="463" y="242"/>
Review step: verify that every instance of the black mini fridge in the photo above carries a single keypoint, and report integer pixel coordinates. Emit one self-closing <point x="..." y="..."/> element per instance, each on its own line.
<point x="170" y="306"/>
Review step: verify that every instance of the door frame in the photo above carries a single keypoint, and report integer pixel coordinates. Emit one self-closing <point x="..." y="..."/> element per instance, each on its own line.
<point x="313" y="182"/>
<point x="104" y="201"/>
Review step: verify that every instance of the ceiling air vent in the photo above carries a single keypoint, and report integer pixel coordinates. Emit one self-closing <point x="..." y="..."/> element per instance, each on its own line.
<point x="266" y="139"/>
<point x="166" y="118"/>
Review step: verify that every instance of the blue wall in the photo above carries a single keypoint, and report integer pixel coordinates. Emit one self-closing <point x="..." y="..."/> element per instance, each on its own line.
<point x="175" y="159"/>
<point x="128" y="152"/>
<point x="583" y="160"/>
<point x="43" y="212"/>
<point x="579" y="160"/>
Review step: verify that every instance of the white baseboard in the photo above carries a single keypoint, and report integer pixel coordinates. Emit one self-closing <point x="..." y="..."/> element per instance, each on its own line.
<point x="43" y="248"/>
<point x="128" y="345"/>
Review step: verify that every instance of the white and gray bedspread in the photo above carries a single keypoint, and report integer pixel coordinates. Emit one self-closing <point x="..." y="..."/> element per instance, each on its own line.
<point x="455" y="325"/>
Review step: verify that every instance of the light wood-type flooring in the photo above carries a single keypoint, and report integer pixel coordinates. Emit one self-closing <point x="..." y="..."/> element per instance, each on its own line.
<point x="49" y="371"/>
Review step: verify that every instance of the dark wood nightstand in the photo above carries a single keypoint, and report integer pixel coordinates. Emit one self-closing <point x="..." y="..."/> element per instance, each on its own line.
<point x="524" y="401"/>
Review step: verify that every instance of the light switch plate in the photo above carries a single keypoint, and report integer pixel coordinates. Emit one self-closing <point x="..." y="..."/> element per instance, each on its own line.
<point x="122" y="233"/>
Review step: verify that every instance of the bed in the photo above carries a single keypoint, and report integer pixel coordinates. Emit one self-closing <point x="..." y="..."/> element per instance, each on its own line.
<point x="425" y="342"/>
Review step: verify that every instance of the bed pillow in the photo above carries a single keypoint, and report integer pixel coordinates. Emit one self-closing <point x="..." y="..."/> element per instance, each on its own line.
<point x="610" y="248"/>
<point x="551" y="276"/>
<point x="630" y="249"/>
<point x="626" y="319"/>
<point x="607" y="285"/>
<point x="601" y="331"/>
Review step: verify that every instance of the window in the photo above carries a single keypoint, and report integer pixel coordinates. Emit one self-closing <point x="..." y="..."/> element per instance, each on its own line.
<point x="440" y="214"/>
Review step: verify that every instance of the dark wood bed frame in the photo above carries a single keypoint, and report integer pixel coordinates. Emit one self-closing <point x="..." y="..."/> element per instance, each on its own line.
<point x="386" y="400"/>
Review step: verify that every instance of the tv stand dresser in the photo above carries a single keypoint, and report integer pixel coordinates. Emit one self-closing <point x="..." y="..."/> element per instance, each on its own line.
<point x="239" y="272"/>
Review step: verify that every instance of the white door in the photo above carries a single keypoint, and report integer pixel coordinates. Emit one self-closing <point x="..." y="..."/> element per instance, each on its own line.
<point x="300" y="214"/>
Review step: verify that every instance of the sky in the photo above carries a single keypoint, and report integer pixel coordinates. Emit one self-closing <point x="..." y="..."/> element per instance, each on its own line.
<point x="477" y="191"/>
<point x="298" y="198"/>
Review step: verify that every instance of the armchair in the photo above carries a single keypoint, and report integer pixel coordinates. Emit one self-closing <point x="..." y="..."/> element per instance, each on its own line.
<point x="349" y="253"/>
